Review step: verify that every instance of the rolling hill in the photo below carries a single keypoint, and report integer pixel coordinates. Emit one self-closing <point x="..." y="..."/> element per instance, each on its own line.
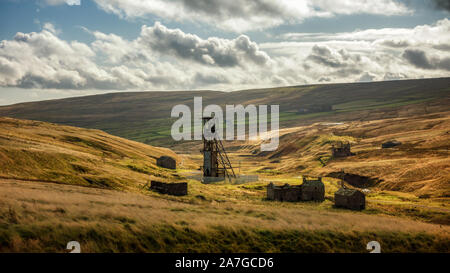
<point x="40" y="151"/>
<point x="420" y="165"/>
<point x="407" y="208"/>
<point x="145" y="116"/>
<point x="85" y="164"/>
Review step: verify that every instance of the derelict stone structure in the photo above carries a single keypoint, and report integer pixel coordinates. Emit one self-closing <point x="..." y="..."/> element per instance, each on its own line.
<point x="177" y="189"/>
<point x="350" y="199"/>
<point x="166" y="162"/>
<point x="310" y="190"/>
<point x="283" y="193"/>
<point x="343" y="150"/>
<point x="313" y="190"/>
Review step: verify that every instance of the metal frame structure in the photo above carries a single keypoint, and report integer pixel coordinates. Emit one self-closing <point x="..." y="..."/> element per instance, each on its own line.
<point x="216" y="162"/>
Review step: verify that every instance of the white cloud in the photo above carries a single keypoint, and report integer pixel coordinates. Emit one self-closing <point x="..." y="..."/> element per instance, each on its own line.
<point x="241" y="16"/>
<point x="43" y="60"/>
<point x="439" y="33"/>
<point x="161" y="58"/>
<point x="50" y="27"/>
<point x="61" y="2"/>
<point x="212" y="51"/>
<point x="388" y="53"/>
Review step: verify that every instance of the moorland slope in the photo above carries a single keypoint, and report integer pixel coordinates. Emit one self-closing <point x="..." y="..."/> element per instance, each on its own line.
<point x="145" y="116"/>
<point x="35" y="150"/>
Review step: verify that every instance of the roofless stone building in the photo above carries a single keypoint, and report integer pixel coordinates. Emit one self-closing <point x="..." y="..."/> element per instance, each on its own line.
<point x="350" y="199"/>
<point x="177" y="189"/>
<point x="313" y="190"/>
<point x="310" y="190"/>
<point x="283" y="193"/>
<point x="341" y="150"/>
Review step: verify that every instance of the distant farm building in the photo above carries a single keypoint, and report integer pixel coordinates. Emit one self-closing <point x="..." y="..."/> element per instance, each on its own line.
<point x="310" y="190"/>
<point x="350" y="199"/>
<point x="342" y="150"/>
<point x="390" y="144"/>
<point x="177" y="189"/>
<point x="166" y="162"/>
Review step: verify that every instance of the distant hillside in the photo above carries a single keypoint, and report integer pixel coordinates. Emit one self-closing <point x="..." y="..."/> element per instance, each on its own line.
<point x="145" y="116"/>
<point x="32" y="150"/>
<point x="421" y="165"/>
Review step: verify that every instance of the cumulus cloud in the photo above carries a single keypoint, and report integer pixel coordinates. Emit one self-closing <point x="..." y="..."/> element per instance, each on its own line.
<point x="436" y="34"/>
<point x="323" y="55"/>
<point x="213" y="51"/>
<point x="43" y="60"/>
<point x="389" y="76"/>
<point x="60" y="2"/>
<point x="395" y="43"/>
<point x="367" y="77"/>
<point x="442" y="4"/>
<point x="241" y="16"/>
<point x="337" y="63"/>
<point x="161" y="58"/>
<point x="420" y="59"/>
<point x="379" y="52"/>
<point x="210" y="79"/>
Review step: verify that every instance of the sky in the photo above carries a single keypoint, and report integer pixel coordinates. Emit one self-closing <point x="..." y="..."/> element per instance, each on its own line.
<point x="53" y="49"/>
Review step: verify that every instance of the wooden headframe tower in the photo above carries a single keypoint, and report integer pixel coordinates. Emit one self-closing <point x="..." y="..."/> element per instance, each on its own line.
<point x="215" y="159"/>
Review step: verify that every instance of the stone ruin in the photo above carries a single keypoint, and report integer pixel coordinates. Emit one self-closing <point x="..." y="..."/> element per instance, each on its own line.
<point x="350" y="199"/>
<point x="310" y="190"/>
<point x="313" y="190"/>
<point x="342" y="150"/>
<point x="166" y="162"/>
<point x="284" y="193"/>
<point x="178" y="189"/>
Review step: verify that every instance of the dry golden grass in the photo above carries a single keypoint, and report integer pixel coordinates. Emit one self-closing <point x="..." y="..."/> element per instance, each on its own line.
<point x="34" y="150"/>
<point x="44" y="217"/>
<point x="38" y="216"/>
<point x="420" y="166"/>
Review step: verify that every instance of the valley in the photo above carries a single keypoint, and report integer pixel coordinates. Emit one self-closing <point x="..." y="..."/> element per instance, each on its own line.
<point x="61" y="183"/>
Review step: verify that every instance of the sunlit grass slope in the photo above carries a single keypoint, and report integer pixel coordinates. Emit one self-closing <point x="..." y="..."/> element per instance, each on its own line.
<point x="34" y="150"/>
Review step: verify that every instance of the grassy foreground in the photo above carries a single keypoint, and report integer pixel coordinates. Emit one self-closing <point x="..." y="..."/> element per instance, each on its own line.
<point x="219" y="239"/>
<point x="43" y="217"/>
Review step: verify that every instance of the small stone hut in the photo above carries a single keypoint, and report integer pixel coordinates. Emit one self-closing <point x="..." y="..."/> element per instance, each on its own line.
<point x="350" y="199"/>
<point x="390" y="144"/>
<point x="166" y="162"/>
<point x="178" y="189"/>
<point x="342" y="150"/>
<point x="313" y="190"/>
